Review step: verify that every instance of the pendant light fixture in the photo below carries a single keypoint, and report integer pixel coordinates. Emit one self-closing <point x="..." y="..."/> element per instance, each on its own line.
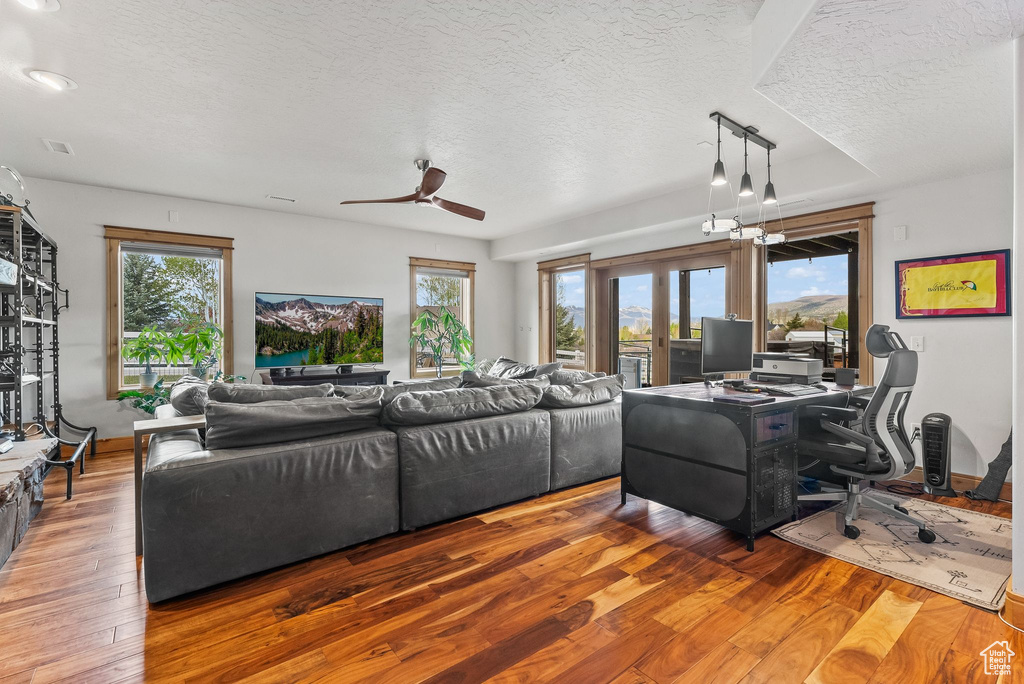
<point x="718" y="177"/>
<point x="746" y="185"/>
<point x="734" y="226"/>
<point x="769" y="187"/>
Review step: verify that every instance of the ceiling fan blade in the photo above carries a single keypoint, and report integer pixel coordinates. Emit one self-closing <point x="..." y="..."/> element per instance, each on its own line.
<point x="460" y="209"/>
<point x="433" y="179"/>
<point x="390" y="200"/>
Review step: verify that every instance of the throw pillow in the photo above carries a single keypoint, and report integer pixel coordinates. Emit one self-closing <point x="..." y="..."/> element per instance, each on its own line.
<point x="189" y="396"/>
<point x="253" y="394"/>
<point x="515" y="370"/>
<point x="471" y="379"/>
<point x="586" y="393"/>
<point x="571" y="377"/>
<point x="233" y="425"/>
<point x="425" y="408"/>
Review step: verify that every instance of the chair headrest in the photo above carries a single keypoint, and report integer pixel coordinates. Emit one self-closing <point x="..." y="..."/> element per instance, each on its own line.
<point x="880" y="342"/>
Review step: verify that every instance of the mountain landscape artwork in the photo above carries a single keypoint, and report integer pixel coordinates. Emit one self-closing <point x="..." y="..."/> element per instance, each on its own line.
<point x="308" y="330"/>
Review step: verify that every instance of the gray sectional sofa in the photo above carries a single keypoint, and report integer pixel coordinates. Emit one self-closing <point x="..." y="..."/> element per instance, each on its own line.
<point x="253" y="493"/>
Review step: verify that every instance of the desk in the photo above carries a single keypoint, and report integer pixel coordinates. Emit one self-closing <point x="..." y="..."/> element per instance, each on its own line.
<point x="153" y="427"/>
<point x="732" y="464"/>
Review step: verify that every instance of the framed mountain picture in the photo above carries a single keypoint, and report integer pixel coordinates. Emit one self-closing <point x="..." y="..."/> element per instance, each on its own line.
<point x="976" y="284"/>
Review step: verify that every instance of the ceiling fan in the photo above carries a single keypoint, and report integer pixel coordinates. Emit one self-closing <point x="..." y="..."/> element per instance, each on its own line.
<point x="433" y="179"/>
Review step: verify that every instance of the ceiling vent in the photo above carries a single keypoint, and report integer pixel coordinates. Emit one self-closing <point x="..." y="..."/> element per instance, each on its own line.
<point x="58" y="147"/>
<point x="279" y="198"/>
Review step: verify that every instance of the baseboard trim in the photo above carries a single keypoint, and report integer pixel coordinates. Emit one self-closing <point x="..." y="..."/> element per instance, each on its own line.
<point x="962" y="483"/>
<point x="1013" y="609"/>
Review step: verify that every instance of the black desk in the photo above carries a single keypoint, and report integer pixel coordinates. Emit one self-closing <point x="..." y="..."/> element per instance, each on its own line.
<point x="359" y="375"/>
<point x="732" y="464"/>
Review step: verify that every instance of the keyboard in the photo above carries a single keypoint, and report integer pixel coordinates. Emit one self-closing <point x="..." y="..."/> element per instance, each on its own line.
<point x="786" y="390"/>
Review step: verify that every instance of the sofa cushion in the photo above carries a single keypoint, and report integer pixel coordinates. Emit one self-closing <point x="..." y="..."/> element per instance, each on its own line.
<point x="189" y="396"/>
<point x="586" y="393"/>
<point x="253" y="394"/>
<point x="390" y="392"/>
<point x="514" y="370"/>
<point x="269" y="422"/>
<point x="565" y="376"/>
<point x="471" y="379"/>
<point x="425" y="408"/>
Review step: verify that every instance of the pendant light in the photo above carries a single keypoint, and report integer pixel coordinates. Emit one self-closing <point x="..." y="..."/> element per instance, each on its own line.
<point x="746" y="185"/>
<point x="718" y="177"/>
<point x="769" y="187"/>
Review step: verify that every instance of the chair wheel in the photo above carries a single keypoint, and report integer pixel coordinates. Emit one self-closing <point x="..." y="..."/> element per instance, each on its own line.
<point x="851" y="532"/>
<point x="902" y="510"/>
<point x="927" y="536"/>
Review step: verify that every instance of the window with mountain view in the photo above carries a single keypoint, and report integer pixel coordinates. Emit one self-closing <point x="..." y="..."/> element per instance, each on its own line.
<point x="570" y="288"/>
<point x="809" y="298"/>
<point x="439" y="284"/>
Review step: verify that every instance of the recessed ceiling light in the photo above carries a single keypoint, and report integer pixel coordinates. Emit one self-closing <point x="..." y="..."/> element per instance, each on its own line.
<point x="52" y="80"/>
<point x="41" y="5"/>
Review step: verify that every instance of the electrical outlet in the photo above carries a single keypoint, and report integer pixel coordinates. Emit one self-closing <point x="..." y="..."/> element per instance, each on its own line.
<point x="917" y="343"/>
<point x="899" y="233"/>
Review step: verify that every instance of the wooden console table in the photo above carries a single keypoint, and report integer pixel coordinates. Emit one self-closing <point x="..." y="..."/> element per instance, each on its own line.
<point x="153" y="427"/>
<point x="314" y="376"/>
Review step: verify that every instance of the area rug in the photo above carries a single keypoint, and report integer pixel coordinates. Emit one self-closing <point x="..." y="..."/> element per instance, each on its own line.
<point x="969" y="559"/>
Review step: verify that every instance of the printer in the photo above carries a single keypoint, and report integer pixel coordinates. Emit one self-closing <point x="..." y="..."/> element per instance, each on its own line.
<point x="786" y="368"/>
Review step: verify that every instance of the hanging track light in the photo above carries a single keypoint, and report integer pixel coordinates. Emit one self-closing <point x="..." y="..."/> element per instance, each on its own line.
<point x="718" y="177"/>
<point x="746" y="185"/>
<point x="769" y="187"/>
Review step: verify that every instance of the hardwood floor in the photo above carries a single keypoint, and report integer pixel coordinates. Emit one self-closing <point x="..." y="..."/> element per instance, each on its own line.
<point x="569" y="587"/>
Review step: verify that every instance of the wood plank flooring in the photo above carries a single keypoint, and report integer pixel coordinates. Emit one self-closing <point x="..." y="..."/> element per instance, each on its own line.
<point x="568" y="587"/>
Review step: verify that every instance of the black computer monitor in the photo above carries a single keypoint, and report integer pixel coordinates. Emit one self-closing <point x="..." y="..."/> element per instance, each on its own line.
<point x="726" y="346"/>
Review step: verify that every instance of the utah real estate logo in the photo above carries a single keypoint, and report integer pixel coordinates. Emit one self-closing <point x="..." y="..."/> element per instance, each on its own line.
<point x="997" y="657"/>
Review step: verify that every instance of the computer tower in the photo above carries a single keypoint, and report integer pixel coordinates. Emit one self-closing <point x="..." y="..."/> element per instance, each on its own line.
<point x="632" y="368"/>
<point x="935" y="446"/>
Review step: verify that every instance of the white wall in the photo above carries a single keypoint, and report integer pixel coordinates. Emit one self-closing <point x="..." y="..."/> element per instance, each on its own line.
<point x="274" y="252"/>
<point x="965" y="367"/>
<point x="1018" y="291"/>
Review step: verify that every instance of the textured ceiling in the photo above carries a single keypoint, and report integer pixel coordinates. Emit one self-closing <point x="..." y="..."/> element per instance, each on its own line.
<point x="912" y="89"/>
<point x="538" y="111"/>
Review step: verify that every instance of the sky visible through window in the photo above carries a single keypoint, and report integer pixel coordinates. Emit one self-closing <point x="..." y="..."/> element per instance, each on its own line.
<point x="789" y="280"/>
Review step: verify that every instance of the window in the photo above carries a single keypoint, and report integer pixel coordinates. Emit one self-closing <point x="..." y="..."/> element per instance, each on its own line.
<point x="563" y="310"/>
<point x="164" y="280"/>
<point x="435" y="284"/>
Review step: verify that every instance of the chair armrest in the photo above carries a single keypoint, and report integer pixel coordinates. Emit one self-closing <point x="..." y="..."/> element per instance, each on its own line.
<point x="852" y="435"/>
<point x="829" y="413"/>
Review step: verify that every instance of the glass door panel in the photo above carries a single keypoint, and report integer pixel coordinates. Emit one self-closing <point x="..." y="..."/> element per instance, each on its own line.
<point x="812" y="302"/>
<point x="570" y="318"/>
<point x="693" y="294"/>
<point x="630" y="313"/>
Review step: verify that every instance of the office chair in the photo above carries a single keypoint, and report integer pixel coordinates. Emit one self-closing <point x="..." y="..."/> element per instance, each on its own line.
<point x="861" y="448"/>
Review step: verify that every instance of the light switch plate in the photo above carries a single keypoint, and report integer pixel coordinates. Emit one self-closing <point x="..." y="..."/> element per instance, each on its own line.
<point x="917" y="343"/>
<point x="899" y="233"/>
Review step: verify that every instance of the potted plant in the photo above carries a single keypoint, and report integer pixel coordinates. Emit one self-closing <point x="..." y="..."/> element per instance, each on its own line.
<point x="147" y="402"/>
<point x="441" y="334"/>
<point x="200" y="342"/>
<point x="149" y="346"/>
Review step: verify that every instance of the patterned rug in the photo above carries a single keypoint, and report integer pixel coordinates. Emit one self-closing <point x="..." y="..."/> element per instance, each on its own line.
<point x="969" y="560"/>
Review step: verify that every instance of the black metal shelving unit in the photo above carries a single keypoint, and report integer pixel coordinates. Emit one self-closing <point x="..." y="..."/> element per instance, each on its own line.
<point x="30" y="310"/>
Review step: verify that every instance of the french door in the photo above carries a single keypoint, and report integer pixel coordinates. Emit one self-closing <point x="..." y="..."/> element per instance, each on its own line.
<point x="651" y="310"/>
